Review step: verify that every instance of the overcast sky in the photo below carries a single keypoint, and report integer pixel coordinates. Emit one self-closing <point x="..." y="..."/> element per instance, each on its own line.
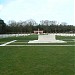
<point x="59" y="10"/>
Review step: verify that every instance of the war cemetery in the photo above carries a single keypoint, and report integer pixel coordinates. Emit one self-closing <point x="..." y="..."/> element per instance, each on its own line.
<point x="28" y="48"/>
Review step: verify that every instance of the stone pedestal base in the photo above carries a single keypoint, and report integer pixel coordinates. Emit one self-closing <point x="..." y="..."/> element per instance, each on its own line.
<point x="46" y="39"/>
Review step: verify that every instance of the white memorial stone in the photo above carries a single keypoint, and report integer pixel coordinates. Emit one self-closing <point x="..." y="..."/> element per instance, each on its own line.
<point x="46" y="39"/>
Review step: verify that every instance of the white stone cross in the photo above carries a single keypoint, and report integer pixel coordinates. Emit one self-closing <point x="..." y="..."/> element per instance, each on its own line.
<point x="38" y="31"/>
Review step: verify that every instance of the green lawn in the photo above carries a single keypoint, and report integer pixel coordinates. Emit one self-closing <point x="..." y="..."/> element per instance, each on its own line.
<point x="20" y="38"/>
<point x="37" y="60"/>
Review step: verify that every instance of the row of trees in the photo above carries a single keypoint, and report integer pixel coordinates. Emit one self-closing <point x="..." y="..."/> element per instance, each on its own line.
<point x="29" y="26"/>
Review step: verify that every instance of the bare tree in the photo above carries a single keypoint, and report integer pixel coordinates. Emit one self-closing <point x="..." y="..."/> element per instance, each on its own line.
<point x="53" y="22"/>
<point x="30" y="22"/>
<point x="63" y="23"/>
<point x="47" y="22"/>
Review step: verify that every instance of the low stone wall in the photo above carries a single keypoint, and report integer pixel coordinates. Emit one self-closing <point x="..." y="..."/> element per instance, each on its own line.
<point x="11" y="35"/>
<point x="64" y="34"/>
<point x="16" y="35"/>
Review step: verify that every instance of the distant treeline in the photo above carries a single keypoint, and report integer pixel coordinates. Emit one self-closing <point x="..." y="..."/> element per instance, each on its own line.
<point x="29" y="26"/>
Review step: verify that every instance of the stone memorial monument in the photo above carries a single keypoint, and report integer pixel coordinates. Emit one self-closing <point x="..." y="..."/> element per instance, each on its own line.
<point x="50" y="38"/>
